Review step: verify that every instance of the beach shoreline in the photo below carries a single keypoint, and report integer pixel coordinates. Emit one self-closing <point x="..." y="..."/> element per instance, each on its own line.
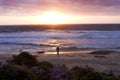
<point x="101" y="62"/>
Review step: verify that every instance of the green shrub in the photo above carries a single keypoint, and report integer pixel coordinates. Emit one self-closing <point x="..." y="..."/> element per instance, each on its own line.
<point x="110" y="78"/>
<point x="25" y="58"/>
<point x="119" y="77"/>
<point x="16" y="73"/>
<point x="76" y="73"/>
<point x="47" y="66"/>
<point x="92" y="76"/>
<point x="43" y="70"/>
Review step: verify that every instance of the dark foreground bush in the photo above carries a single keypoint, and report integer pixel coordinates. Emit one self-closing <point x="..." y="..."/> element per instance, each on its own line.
<point x="26" y="67"/>
<point x="76" y="73"/>
<point x="111" y="76"/>
<point x="12" y="72"/>
<point x="44" y="70"/>
<point x="47" y="66"/>
<point x="92" y="76"/>
<point x="25" y="58"/>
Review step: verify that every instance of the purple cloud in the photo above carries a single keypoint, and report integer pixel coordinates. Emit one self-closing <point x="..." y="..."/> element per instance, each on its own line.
<point x="95" y="2"/>
<point x="95" y="6"/>
<point x="78" y="6"/>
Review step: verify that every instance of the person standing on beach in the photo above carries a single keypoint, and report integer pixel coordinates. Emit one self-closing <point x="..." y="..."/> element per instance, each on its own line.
<point x="58" y="49"/>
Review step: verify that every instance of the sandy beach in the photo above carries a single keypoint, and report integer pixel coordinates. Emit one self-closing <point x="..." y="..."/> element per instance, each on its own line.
<point x="110" y="62"/>
<point x="101" y="62"/>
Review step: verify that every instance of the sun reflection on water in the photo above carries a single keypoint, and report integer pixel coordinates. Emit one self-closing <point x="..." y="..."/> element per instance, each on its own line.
<point x="53" y="42"/>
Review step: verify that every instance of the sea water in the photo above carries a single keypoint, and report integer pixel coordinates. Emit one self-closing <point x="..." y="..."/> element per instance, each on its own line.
<point x="68" y="40"/>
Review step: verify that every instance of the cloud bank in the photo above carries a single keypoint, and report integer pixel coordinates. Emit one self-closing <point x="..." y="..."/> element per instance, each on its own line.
<point x="99" y="7"/>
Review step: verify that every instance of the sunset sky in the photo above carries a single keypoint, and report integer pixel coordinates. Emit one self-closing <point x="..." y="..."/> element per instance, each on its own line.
<point x="61" y="11"/>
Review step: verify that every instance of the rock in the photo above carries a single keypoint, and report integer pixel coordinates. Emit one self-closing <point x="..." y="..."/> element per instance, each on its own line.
<point x="41" y="52"/>
<point x="105" y="52"/>
<point x="98" y="56"/>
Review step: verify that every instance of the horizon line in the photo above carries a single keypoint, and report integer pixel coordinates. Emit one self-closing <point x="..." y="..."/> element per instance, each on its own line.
<point x="60" y="24"/>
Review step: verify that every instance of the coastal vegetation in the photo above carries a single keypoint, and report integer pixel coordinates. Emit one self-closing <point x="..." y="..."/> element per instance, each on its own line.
<point x="26" y="67"/>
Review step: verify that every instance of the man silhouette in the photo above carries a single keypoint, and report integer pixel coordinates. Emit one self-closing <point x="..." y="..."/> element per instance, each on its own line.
<point x="57" y="49"/>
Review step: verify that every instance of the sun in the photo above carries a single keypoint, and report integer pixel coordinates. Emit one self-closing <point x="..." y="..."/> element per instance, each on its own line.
<point x="53" y="17"/>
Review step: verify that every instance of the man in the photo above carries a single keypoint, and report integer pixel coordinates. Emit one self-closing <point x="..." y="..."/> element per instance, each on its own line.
<point x="57" y="49"/>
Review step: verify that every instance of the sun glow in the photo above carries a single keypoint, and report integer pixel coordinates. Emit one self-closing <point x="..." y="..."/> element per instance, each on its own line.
<point x="53" y="17"/>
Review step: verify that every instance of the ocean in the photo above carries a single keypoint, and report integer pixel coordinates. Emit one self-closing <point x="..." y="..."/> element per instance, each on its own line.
<point x="76" y="37"/>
